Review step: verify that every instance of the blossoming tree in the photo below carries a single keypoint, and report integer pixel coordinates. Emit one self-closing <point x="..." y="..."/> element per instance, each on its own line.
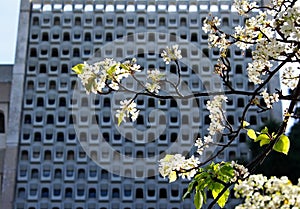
<point x="272" y="31"/>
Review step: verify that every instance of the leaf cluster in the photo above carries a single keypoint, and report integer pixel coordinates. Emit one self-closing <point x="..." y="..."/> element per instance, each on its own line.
<point x="213" y="178"/>
<point x="264" y="138"/>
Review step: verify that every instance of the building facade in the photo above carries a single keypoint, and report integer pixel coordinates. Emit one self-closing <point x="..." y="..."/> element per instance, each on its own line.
<point x="67" y="150"/>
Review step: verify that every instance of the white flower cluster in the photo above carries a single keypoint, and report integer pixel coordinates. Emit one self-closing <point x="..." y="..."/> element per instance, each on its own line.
<point x="128" y="109"/>
<point x="260" y="31"/>
<point x="186" y="168"/>
<point x="154" y="77"/>
<point x="269" y="98"/>
<point x="216" y="114"/>
<point x="210" y="26"/>
<point x="215" y="39"/>
<point x="291" y="27"/>
<point x="203" y="144"/>
<point x="243" y="6"/>
<point x="171" y="54"/>
<point x="256" y="69"/>
<point x="261" y="192"/>
<point x="219" y="41"/>
<point x="240" y="172"/>
<point x="290" y="77"/>
<point x="106" y="73"/>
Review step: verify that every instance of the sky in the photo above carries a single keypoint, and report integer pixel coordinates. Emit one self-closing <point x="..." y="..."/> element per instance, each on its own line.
<point x="9" y="26"/>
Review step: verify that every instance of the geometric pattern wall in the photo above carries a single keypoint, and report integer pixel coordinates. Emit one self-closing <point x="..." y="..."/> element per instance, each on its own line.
<point x="116" y="167"/>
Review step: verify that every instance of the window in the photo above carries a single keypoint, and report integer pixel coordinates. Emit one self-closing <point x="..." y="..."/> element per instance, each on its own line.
<point x="45" y="36"/>
<point x="98" y="21"/>
<point x="70" y="155"/>
<point x="24" y="155"/>
<point x="45" y="193"/>
<point x="120" y="21"/>
<point x="66" y="36"/>
<point x="162" y="193"/>
<point x="241" y="102"/>
<point x="76" y="52"/>
<point x="93" y="172"/>
<point x="80" y="191"/>
<point x="60" y="137"/>
<point x="33" y="52"/>
<point x="50" y="119"/>
<point x="232" y="155"/>
<point x="37" y="136"/>
<point x="21" y="193"/>
<point x="27" y="119"/>
<point x="39" y="103"/>
<point x="139" y="193"/>
<point x="34" y="173"/>
<point x="56" y="21"/>
<point x="47" y="155"/>
<point x="35" y="21"/>
<point x="68" y="192"/>
<point x="194" y="37"/>
<point x="2" y="122"/>
<point x="253" y="120"/>
<point x="238" y="69"/>
<point x="103" y="191"/>
<point x="81" y="174"/>
<point x="162" y="21"/>
<point x="54" y="52"/>
<point x="109" y="37"/>
<point x="44" y="51"/>
<point x="183" y="21"/>
<point x="56" y="191"/>
<point x="115" y="193"/>
<point x="141" y="21"/>
<point x="58" y="173"/>
<point x="104" y="174"/>
<point x="87" y="37"/>
<point x="78" y="21"/>
<point x="92" y="193"/>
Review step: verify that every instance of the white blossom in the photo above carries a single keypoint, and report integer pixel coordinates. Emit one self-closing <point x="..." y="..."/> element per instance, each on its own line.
<point x="290" y="77"/>
<point x="261" y="192"/>
<point x="269" y="98"/>
<point x="107" y="73"/>
<point x="210" y="25"/>
<point x="171" y="54"/>
<point x="127" y="109"/>
<point x="216" y="114"/>
<point x="186" y="168"/>
<point x="153" y="80"/>
<point x="243" y="6"/>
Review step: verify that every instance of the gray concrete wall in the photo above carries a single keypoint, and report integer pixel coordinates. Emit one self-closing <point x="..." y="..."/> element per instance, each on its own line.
<point x="16" y="96"/>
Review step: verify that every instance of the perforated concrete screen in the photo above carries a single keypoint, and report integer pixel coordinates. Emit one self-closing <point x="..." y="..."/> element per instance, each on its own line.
<point x="72" y="154"/>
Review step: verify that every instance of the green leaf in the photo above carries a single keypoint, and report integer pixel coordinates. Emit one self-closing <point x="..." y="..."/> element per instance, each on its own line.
<point x="251" y="133"/>
<point x="265" y="130"/>
<point x="124" y="66"/>
<point x="215" y="192"/>
<point x="245" y="124"/>
<point x="172" y="176"/>
<point x="264" y="142"/>
<point x="263" y="138"/>
<point x="198" y="199"/>
<point x="78" y="69"/>
<point x="190" y="188"/>
<point x="120" y="118"/>
<point x="227" y="172"/>
<point x="111" y="70"/>
<point x="283" y="144"/>
<point x="260" y="35"/>
<point x="90" y="84"/>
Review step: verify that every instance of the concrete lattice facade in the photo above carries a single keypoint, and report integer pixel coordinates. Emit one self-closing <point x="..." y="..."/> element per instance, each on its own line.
<point x="53" y="170"/>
